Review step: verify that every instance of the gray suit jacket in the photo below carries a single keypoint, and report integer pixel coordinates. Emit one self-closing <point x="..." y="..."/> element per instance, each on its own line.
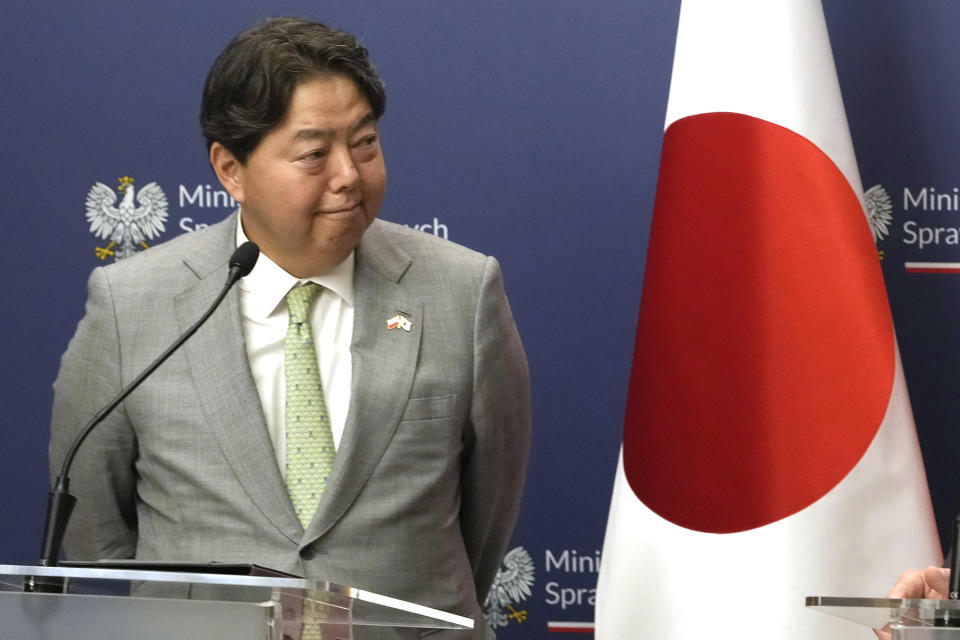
<point x="426" y="485"/>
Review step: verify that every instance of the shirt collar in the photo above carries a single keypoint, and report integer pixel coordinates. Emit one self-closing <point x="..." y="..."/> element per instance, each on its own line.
<point x="267" y="284"/>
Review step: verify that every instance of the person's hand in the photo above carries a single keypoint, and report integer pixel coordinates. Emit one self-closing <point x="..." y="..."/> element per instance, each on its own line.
<point x="932" y="582"/>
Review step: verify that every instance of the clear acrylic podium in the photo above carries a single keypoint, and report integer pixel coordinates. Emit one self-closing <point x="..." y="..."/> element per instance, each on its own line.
<point x="908" y="619"/>
<point x="134" y="604"/>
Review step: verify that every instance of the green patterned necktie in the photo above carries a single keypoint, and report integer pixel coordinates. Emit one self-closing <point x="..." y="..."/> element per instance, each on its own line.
<point x="310" y="450"/>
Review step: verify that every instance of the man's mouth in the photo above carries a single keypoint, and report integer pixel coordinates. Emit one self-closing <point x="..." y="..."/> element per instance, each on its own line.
<point x="350" y="208"/>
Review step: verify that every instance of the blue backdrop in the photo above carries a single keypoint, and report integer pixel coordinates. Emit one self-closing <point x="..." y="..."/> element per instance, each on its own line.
<point x="530" y="131"/>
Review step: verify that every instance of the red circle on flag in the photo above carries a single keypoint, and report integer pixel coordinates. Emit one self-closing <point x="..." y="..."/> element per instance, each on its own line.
<point x="765" y="352"/>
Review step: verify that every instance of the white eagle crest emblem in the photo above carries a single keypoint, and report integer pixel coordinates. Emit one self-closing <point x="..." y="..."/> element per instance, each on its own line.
<point x="512" y="585"/>
<point x="879" y="209"/>
<point x="126" y="226"/>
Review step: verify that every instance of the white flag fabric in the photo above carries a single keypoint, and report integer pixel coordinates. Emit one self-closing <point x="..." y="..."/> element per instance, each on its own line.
<point x="769" y="448"/>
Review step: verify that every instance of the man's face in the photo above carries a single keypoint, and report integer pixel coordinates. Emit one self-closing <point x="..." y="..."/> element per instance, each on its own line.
<point x="314" y="184"/>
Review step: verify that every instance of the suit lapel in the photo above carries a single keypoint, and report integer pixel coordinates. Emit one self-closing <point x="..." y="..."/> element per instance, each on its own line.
<point x="384" y="362"/>
<point x="221" y="375"/>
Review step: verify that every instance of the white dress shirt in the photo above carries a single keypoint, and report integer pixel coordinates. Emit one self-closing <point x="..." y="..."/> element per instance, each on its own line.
<point x="264" y="316"/>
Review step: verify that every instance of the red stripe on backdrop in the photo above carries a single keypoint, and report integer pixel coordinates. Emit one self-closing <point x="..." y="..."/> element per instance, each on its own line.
<point x="570" y="627"/>
<point x="765" y="349"/>
<point x="933" y="270"/>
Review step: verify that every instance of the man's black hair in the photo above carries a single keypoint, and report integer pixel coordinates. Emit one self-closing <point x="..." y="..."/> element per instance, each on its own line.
<point x="248" y="89"/>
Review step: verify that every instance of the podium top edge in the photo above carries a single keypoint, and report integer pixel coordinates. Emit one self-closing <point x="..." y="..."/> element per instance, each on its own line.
<point x="93" y="573"/>
<point x="882" y="603"/>
<point x="224" y="579"/>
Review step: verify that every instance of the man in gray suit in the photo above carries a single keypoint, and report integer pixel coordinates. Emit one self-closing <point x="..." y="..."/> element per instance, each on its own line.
<point x="424" y="378"/>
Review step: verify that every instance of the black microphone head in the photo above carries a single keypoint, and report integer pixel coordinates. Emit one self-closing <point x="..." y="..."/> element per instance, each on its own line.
<point x="244" y="258"/>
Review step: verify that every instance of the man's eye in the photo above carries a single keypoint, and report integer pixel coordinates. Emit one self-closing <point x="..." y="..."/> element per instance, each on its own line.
<point x="313" y="156"/>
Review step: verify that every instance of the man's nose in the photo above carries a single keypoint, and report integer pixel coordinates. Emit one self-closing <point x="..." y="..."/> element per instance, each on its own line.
<point x="344" y="173"/>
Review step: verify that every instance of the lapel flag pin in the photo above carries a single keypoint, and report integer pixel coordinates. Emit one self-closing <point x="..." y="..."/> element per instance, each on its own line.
<point x="400" y="321"/>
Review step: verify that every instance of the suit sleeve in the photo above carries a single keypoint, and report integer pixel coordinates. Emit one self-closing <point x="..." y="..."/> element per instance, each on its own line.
<point x="498" y="444"/>
<point x="103" y="478"/>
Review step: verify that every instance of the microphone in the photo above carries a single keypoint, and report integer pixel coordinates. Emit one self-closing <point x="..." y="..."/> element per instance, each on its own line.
<point x="60" y="503"/>
<point x="953" y="591"/>
<point x="241" y="262"/>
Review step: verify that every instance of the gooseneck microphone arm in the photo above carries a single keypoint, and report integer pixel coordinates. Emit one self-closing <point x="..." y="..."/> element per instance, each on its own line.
<point x="60" y="502"/>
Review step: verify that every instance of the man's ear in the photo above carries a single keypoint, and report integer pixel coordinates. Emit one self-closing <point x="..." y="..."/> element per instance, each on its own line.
<point x="229" y="170"/>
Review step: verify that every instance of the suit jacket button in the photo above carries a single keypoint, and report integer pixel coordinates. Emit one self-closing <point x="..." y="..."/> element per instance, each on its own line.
<point x="308" y="553"/>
